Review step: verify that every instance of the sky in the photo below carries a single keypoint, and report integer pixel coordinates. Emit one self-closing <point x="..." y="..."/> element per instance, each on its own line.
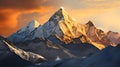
<point x="15" y="14"/>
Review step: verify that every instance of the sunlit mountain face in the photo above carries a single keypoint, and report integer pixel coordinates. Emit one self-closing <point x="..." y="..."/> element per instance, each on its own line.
<point x="16" y="14"/>
<point x="59" y="33"/>
<point x="63" y="27"/>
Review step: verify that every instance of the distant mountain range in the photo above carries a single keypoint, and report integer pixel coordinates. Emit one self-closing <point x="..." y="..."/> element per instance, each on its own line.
<point x="64" y="28"/>
<point x="60" y="39"/>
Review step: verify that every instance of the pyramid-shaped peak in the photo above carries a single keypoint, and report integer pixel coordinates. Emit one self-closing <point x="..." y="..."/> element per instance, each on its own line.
<point x="62" y="8"/>
<point x="90" y="23"/>
<point x="59" y="15"/>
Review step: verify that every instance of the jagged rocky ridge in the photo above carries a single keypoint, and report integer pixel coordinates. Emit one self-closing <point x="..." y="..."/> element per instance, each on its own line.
<point x="108" y="57"/>
<point x="63" y="27"/>
<point x="97" y="35"/>
<point x="61" y="38"/>
<point x="114" y="37"/>
<point x="45" y="48"/>
<point x="9" y="47"/>
<point x="52" y="37"/>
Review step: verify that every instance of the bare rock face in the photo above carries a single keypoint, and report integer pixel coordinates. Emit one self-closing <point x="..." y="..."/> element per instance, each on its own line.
<point x="100" y="37"/>
<point x="114" y="37"/>
<point x="97" y="35"/>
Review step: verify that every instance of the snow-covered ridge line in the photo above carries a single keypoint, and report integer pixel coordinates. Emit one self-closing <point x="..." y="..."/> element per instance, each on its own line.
<point x="66" y="29"/>
<point x="24" y="32"/>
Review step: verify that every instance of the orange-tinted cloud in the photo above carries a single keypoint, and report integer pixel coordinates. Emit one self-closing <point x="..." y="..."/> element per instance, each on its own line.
<point x="21" y="4"/>
<point x="41" y="15"/>
<point x="15" y="14"/>
<point x="7" y="21"/>
<point x="10" y="10"/>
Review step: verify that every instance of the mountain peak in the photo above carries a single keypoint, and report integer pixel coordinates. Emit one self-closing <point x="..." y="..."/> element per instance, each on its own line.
<point x="62" y="8"/>
<point x="34" y="23"/>
<point x="31" y="26"/>
<point x="59" y="24"/>
<point x="24" y="32"/>
<point x="90" y="23"/>
<point x="61" y="14"/>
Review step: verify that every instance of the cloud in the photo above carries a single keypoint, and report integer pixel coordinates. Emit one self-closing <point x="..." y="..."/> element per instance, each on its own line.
<point x="41" y="15"/>
<point x="21" y="4"/>
<point x="10" y="10"/>
<point x="15" y="14"/>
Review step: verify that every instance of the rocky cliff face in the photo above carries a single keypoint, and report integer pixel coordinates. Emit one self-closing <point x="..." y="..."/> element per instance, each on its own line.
<point x="98" y="35"/>
<point x="114" y="37"/>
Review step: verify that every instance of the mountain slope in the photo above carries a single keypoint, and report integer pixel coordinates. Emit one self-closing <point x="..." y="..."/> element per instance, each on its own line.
<point x="59" y="37"/>
<point x="10" y="54"/>
<point x="108" y="57"/>
<point x="97" y="35"/>
<point x="114" y="37"/>
<point x="62" y="26"/>
<point x="36" y="50"/>
<point x="24" y="32"/>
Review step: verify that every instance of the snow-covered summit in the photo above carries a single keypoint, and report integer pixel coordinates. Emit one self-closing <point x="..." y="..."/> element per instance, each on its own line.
<point x="61" y="14"/>
<point x="52" y="27"/>
<point x="61" y="25"/>
<point x="30" y="27"/>
<point x="24" y="32"/>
